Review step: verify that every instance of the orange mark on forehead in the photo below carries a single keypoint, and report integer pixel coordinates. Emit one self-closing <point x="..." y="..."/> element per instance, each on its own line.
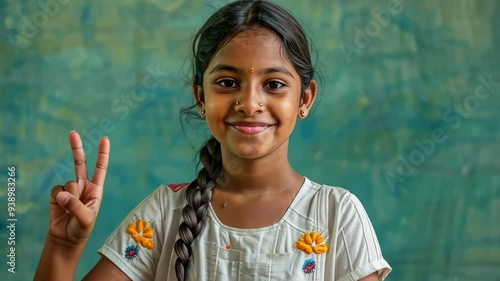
<point x="251" y="70"/>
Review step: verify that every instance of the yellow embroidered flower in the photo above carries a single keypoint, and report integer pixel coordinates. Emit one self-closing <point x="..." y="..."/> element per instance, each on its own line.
<point x="142" y="233"/>
<point x="312" y="242"/>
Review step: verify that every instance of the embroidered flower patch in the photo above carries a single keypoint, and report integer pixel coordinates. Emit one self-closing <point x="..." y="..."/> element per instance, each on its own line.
<point x="131" y="252"/>
<point x="312" y="242"/>
<point x="309" y="266"/>
<point x="142" y="233"/>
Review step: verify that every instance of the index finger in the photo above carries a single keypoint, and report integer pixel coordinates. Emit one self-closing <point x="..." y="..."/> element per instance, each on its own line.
<point x="78" y="155"/>
<point x="102" y="162"/>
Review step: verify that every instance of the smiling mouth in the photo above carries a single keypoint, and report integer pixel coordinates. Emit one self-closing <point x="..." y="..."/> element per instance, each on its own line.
<point x="250" y="129"/>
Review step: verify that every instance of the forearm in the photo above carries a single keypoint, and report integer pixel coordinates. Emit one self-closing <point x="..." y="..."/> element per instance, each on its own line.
<point x="58" y="262"/>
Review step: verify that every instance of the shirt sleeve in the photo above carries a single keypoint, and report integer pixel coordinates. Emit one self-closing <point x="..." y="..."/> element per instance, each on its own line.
<point x="358" y="250"/>
<point x="135" y="246"/>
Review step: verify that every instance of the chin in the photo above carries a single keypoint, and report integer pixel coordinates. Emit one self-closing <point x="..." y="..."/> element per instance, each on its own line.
<point x="251" y="152"/>
<point x="248" y="153"/>
<point x="254" y="147"/>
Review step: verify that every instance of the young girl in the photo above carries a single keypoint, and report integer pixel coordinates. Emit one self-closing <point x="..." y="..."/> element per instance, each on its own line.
<point x="248" y="215"/>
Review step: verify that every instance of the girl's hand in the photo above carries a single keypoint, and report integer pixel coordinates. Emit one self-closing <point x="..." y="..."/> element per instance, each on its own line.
<point x="74" y="206"/>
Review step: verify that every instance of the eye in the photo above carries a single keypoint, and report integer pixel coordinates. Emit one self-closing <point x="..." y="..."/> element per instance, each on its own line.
<point x="227" y="83"/>
<point x="274" y="85"/>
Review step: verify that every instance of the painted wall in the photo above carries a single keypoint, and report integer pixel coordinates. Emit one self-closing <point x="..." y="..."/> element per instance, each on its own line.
<point x="408" y="118"/>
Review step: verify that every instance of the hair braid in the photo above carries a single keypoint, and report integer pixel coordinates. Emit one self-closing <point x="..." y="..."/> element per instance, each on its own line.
<point x="198" y="196"/>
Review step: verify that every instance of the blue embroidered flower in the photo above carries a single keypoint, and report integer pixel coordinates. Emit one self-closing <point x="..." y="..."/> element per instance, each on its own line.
<point x="309" y="266"/>
<point x="131" y="252"/>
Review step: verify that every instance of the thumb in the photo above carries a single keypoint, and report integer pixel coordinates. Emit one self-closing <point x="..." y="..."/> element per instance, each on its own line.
<point x="84" y="216"/>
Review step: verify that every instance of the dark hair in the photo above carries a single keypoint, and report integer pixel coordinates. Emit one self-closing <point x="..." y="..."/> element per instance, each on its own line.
<point x="217" y="31"/>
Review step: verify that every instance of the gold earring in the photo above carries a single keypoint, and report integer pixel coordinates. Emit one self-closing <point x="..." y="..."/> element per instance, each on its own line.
<point x="302" y="113"/>
<point x="202" y="112"/>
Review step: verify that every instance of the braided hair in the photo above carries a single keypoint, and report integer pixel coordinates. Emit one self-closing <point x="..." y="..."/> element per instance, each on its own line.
<point x="217" y="31"/>
<point x="198" y="195"/>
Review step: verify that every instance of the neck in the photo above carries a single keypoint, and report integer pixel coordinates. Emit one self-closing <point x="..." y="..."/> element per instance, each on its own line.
<point x="271" y="173"/>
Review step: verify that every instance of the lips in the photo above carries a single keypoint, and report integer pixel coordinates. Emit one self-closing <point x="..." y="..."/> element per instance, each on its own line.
<point x="250" y="128"/>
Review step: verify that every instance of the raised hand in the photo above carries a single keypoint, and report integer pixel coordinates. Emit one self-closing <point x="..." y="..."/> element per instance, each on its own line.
<point x="74" y="206"/>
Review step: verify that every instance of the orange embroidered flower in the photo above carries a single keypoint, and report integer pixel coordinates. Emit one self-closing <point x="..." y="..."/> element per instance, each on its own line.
<point x="312" y="242"/>
<point x="142" y="233"/>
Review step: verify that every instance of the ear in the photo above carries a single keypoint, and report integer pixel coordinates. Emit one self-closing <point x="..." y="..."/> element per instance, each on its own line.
<point x="307" y="99"/>
<point x="198" y="95"/>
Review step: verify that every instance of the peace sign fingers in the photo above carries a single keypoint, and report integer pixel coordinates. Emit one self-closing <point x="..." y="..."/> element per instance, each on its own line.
<point x="78" y="156"/>
<point x="74" y="206"/>
<point x="81" y="163"/>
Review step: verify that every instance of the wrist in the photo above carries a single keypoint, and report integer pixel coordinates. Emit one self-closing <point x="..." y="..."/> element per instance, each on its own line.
<point x="59" y="260"/>
<point x="64" y="248"/>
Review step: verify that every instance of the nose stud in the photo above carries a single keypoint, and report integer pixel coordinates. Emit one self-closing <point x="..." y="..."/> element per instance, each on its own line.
<point x="260" y="104"/>
<point x="237" y="102"/>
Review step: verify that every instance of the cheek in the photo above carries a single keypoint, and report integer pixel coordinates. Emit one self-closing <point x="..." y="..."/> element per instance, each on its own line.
<point x="211" y="107"/>
<point x="218" y="102"/>
<point x="215" y="114"/>
<point x="287" y="110"/>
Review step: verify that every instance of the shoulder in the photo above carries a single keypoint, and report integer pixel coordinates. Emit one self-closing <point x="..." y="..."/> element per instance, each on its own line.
<point x="337" y="201"/>
<point x="331" y="193"/>
<point x="322" y="204"/>
<point x="165" y="197"/>
<point x="344" y="206"/>
<point x="138" y="243"/>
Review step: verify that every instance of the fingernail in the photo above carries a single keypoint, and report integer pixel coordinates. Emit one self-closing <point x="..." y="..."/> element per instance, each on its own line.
<point x="72" y="131"/>
<point x="62" y="198"/>
<point x="106" y="137"/>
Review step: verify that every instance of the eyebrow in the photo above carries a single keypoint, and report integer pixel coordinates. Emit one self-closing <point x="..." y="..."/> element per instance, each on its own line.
<point x="225" y="67"/>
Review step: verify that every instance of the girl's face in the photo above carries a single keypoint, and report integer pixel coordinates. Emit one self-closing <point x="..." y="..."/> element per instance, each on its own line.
<point x="251" y="95"/>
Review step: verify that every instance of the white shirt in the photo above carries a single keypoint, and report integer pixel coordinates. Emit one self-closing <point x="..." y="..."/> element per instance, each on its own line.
<point x="225" y="253"/>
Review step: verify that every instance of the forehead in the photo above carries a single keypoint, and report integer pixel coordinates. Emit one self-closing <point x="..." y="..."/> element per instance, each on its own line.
<point x="258" y="48"/>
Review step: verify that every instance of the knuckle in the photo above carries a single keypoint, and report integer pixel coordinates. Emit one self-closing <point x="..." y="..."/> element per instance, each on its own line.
<point x="100" y="166"/>
<point x="86" y="221"/>
<point x="79" y="162"/>
<point x="68" y="183"/>
<point x="55" y="189"/>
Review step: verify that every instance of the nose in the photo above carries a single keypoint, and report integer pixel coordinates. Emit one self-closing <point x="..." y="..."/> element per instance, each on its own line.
<point x="249" y="101"/>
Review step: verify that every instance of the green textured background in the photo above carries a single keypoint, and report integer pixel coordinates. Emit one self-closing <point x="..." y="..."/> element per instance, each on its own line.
<point x="80" y="62"/>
